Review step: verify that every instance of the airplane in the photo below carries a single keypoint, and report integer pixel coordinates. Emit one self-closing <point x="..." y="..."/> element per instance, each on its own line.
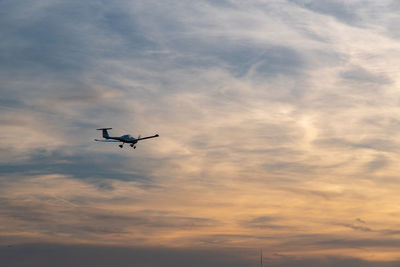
<point x="124" y="139"/>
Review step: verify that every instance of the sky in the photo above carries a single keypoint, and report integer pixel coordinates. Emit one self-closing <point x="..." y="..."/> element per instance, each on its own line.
<point x="278" y="124"/>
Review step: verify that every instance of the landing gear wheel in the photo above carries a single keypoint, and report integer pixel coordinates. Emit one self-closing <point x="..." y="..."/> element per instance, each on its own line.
<point x="120" y="146"/>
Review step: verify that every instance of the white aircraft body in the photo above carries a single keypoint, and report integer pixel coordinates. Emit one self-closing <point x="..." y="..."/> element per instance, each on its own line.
<point x="128" y="139"/>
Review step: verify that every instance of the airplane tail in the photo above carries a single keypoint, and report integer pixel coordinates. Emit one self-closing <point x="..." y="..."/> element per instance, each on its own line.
<point x="105" y="133"/>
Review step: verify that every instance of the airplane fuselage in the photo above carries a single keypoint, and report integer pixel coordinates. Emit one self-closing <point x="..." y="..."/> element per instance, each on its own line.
<point x="124" y="139"/>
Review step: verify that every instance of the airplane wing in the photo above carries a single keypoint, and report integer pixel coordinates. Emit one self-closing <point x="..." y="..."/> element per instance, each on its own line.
<point x="148" y="137"/>
<point x="107" y="141"/>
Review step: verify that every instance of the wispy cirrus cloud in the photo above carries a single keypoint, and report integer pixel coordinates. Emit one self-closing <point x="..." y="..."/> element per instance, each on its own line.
<point x="276" y="118"/>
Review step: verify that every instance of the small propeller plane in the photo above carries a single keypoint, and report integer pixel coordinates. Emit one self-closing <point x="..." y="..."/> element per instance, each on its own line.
<point x="124" y="139"/>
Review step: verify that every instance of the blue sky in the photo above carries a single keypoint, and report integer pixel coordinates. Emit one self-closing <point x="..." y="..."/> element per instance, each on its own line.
<point x="278" y="125"/>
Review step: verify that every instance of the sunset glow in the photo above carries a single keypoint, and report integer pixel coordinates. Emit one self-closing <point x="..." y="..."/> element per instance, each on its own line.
<point x="278" y="121"/>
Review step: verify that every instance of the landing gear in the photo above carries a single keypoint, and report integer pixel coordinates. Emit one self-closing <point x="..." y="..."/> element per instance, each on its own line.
<point x="121" y="146"/>
<point x="132" y="145"/>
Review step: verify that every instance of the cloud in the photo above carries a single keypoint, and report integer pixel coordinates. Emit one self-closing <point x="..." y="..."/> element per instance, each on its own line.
<point x="83" y="255"/>
<point x="275" y="118"/>
<point x="344" y="11"/>
<point x="261" y="222"/>
<point x="360" y="221"/>
<point x="373" y="144"/>
<point x="357" y="225"/>
<point x="359" y="75"/>
<point x="379" y="162"/>
<point x="54" y="207"/>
